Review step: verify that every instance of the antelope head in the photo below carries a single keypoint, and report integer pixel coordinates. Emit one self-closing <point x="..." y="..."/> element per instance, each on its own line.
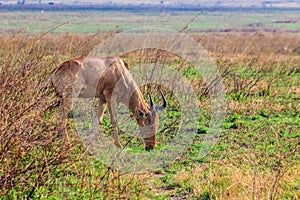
<point x="150" y="122"/>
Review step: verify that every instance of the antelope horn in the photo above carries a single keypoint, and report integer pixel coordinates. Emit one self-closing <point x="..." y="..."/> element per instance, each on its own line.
<point x="152" y="107"/>
<point x="164" y="104"/>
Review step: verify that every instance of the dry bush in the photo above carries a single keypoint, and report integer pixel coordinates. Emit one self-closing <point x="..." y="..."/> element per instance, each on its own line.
<point x="34" y="162"/>
<point x="30" y="149"/>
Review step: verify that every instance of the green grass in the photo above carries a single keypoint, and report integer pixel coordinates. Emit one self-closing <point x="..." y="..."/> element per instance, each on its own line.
<point x="94" y="21"/>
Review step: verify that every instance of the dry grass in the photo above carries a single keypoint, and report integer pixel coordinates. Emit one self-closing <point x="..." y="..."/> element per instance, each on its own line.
<point x="238" y="182"/>
<point x="257" y="69"/>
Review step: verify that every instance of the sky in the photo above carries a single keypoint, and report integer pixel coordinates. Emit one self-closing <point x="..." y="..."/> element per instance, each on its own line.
<point x="167" y="2"/>
<point x="130" y="1"/>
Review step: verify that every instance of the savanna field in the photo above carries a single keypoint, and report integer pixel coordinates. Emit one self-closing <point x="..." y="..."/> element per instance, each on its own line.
<point x="256" y="156"/>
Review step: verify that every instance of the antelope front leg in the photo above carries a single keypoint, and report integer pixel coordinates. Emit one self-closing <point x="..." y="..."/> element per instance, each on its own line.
<point x="114" y="121"/>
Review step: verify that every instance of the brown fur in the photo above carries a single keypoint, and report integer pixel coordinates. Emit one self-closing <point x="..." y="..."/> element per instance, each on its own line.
<point x="74" y="79"/>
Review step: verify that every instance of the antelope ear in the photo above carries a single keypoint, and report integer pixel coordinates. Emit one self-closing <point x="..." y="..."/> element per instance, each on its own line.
<point x="126" y="65"/>
<point x="141" y="114"/>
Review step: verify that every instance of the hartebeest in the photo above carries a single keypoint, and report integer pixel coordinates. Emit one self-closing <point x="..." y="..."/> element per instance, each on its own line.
<point x="109" y="80"/>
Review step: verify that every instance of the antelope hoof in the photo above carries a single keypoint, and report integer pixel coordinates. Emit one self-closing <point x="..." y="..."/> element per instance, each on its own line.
<point x="149" y="148"/>
<point x="118" y="144"/>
